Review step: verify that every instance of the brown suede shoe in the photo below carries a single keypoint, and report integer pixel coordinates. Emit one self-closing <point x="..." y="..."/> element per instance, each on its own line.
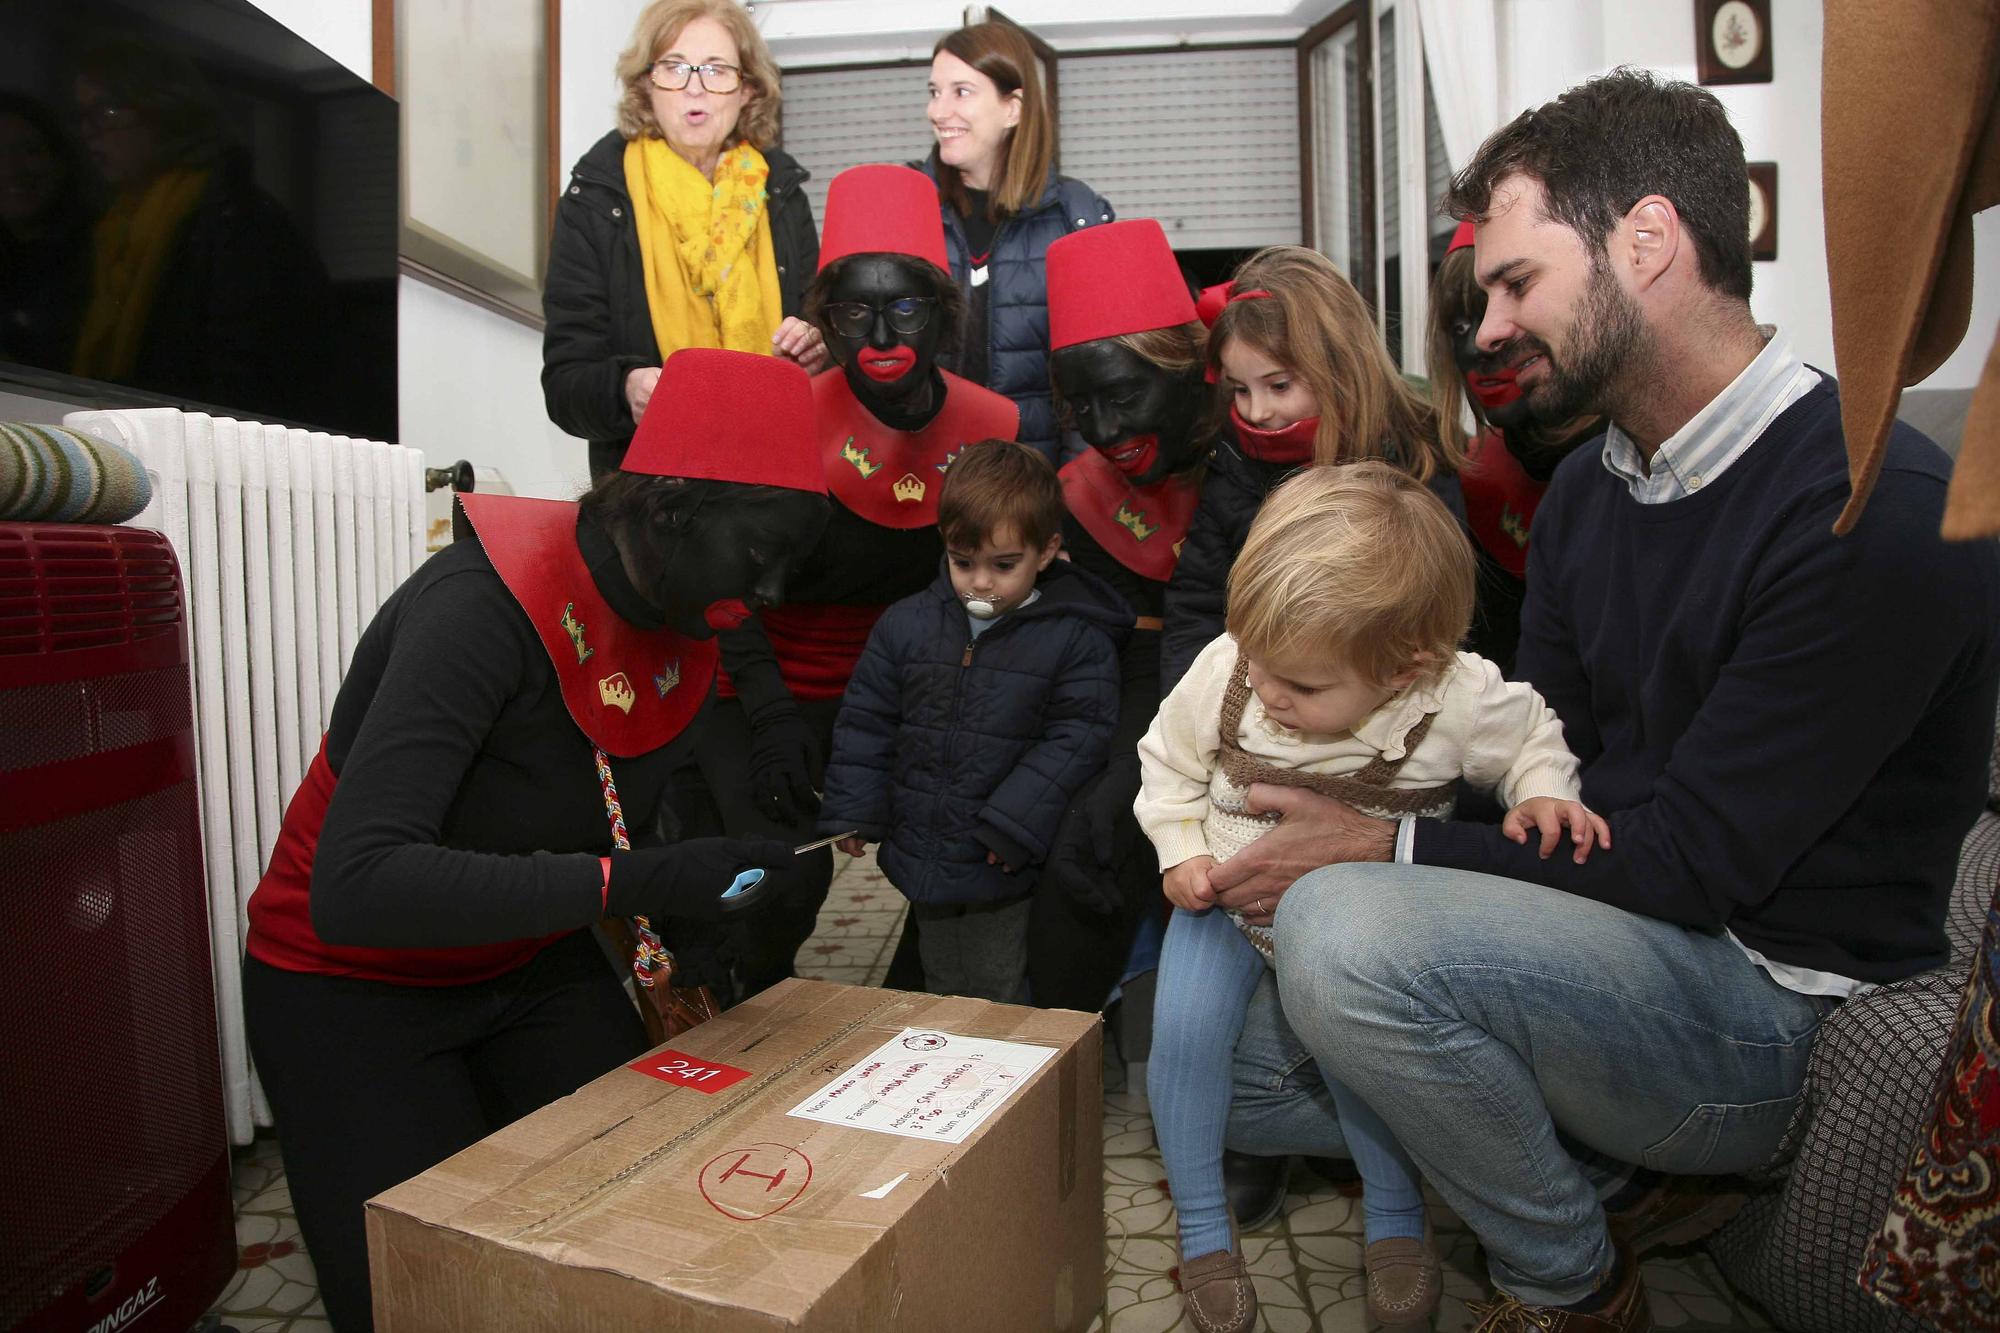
<point x="1678" y="1211"/>
<point x="1403" y="1281"/>
<point x="1216" y="1290"/>
<point x="1625" y="1312"/>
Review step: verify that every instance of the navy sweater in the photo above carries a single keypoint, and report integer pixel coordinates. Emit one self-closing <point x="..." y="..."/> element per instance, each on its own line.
<point x="949" y="747"/>
<point x="1788" y="731"/>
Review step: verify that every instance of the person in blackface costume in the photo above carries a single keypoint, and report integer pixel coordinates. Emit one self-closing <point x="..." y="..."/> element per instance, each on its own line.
<point x="1509" y="460"/>
<point x="1127" y="368"/>
<point x="421" y="970"/>
<point x="890" y="421"/>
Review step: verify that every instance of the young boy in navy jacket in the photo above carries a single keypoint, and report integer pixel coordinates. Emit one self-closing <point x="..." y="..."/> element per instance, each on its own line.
<point x="978" y="708"/>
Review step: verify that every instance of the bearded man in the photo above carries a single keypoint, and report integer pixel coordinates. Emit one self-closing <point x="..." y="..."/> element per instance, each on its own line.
<point x="1788" y="731"/>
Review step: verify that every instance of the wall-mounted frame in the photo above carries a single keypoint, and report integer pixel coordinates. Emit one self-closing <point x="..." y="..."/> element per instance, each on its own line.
<point x="1763" y="210"/>
<point x="480" y="91"/>
<point x="1732" y="41"/>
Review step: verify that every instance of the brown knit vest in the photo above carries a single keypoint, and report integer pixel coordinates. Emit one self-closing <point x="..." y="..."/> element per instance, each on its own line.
<point x="1367" y="789"/>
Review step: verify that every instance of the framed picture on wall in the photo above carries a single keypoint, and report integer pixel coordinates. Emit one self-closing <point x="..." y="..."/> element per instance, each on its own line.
<point x="479" y="89"/>
<point x="1763" y="210"/>
<point x="1732" y="41"/>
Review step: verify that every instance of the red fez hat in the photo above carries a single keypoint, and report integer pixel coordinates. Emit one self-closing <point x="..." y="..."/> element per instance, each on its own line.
<point x="1113" y="279"/>
<point x="719" y="415"/>
<point x="882" y="210"/>
<point x="1461" y="238"/>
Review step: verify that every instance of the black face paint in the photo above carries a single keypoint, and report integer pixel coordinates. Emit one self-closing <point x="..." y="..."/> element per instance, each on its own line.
<point x="731" y="555"/>
<point x="1135" y="413"/>
<point x="1489" y="378"/>
<point x="889" y="367"/>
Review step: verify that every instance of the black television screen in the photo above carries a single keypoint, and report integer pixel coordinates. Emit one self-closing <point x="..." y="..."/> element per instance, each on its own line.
<point x="196" y="204"/>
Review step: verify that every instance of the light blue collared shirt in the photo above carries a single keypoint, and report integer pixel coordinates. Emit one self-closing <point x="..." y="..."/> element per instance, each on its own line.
<point x="1715" y="437"/>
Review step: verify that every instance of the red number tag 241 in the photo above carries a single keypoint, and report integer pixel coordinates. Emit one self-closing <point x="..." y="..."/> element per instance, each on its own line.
<point x="687" y="1071"/>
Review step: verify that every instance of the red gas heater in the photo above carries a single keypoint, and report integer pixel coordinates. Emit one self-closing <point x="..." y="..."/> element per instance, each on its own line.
<point x="115" y="1160"/>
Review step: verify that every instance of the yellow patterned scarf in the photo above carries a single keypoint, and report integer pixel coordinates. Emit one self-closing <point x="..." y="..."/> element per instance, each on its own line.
<point x="711" y="274"/>
<point x="133" y="240"/>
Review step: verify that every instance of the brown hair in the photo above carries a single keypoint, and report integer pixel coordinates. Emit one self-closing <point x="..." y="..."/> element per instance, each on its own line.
<point x="660" y="25"/>
<point x="1002" y="54"/>
<point x="1317" y="325"/>
<point x="1360" y="565"/>
<point x="999" y="486"/>
<point x="1176" y="349"/>
<point x="1606" y="144"/>
<point x="1454" y="294"/>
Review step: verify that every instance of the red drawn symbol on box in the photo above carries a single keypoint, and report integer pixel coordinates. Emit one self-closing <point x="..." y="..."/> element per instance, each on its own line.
<point x="687" y="1071"/>
<point x="753" y="1182"/>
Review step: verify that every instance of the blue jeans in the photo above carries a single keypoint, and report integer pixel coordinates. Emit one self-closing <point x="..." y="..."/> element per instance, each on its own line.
<point x="1208" y="973"/>
<point x="1482" y="1017"/>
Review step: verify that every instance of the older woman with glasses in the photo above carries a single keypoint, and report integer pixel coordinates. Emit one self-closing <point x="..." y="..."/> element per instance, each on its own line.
<point x="681" y="228"/>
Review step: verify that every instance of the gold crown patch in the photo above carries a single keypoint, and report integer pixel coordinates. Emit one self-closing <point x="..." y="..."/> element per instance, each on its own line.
<point x="1513" y="525"/>
<point x="860" y="459"/>
<point x="909" y="488"/>
<point x="617" y="692"/>
<point x="669" y="677"/>
<point x="574" y="628"/>
<point x="1135" y="522"/>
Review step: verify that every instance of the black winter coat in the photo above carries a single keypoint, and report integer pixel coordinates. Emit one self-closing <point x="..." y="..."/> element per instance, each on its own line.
<point x="1017" y="324"/>
<point x="949" y="747"/>
<point x="594" y="300"/>
<point x="1197" y="594"/>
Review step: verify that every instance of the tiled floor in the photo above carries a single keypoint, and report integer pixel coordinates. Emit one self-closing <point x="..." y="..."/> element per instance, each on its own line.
<point x="1307" y="1264"/>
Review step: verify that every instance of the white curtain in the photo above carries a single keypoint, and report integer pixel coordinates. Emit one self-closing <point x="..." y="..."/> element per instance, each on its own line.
<point x="1461" y="44"/>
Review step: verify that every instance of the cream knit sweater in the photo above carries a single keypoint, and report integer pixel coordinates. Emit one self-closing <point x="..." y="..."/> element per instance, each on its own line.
<point x="1494" y="733"/>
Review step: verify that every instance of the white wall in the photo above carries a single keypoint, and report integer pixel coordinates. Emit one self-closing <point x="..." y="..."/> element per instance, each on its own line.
<point x="1779" y="122"/>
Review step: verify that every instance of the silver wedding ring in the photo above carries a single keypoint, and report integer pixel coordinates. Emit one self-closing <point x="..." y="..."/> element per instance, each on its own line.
<point x="1260" y="907"/>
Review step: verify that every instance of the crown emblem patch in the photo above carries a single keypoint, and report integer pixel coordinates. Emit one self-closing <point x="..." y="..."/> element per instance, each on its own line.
<point x="574" y="628"/>
<point x="616" y="691"/>
<point x="859" y="457"/>
<point x="1513" y="525"/>
<point x="1134" y="521"/>
<point x="950" y="458"/>
<point x="669" y="677"/>
<point x="909" y="488"/>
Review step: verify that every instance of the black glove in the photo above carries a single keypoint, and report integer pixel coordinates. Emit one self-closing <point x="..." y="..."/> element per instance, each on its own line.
<point x="783" y="754"/>
<point x="688" y="879"/>
<point x="1095" y="837"/>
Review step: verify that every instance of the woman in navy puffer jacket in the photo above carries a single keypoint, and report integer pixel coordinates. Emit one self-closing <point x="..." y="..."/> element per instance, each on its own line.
<point x="1003" y="206"/>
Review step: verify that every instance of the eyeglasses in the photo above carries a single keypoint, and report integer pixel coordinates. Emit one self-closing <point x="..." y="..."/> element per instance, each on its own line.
<point x="853" y="319"/>
<point x="673" y="75"/>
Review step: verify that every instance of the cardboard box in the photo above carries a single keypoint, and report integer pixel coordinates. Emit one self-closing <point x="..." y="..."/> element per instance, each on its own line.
<point x="692" y="1196"/>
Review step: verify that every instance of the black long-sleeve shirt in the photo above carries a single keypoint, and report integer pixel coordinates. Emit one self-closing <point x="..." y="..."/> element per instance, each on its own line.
<point x="467" y="808"/>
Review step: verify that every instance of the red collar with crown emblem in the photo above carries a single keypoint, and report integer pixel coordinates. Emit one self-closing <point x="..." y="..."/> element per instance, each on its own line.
<point x="1142" y="529"/>
<point x="1500" y="501"/>
<point x="630" y="690"/>
<point x="892" y="477"/>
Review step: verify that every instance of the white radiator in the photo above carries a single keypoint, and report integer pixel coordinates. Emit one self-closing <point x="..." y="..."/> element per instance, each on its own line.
<point x="288" y="541"/>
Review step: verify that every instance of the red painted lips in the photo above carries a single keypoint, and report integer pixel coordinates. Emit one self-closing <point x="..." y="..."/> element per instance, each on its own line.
<point x="1494" y="390"/>
<point x="726" y="614"/>
<point x="889" y="364"/>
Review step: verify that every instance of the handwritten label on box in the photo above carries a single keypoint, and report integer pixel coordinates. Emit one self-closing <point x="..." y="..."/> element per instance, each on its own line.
<point x="924" y="1084"/>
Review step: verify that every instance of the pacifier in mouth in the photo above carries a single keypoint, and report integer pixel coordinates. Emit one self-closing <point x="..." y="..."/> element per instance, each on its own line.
<point x="981" y="609"/>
